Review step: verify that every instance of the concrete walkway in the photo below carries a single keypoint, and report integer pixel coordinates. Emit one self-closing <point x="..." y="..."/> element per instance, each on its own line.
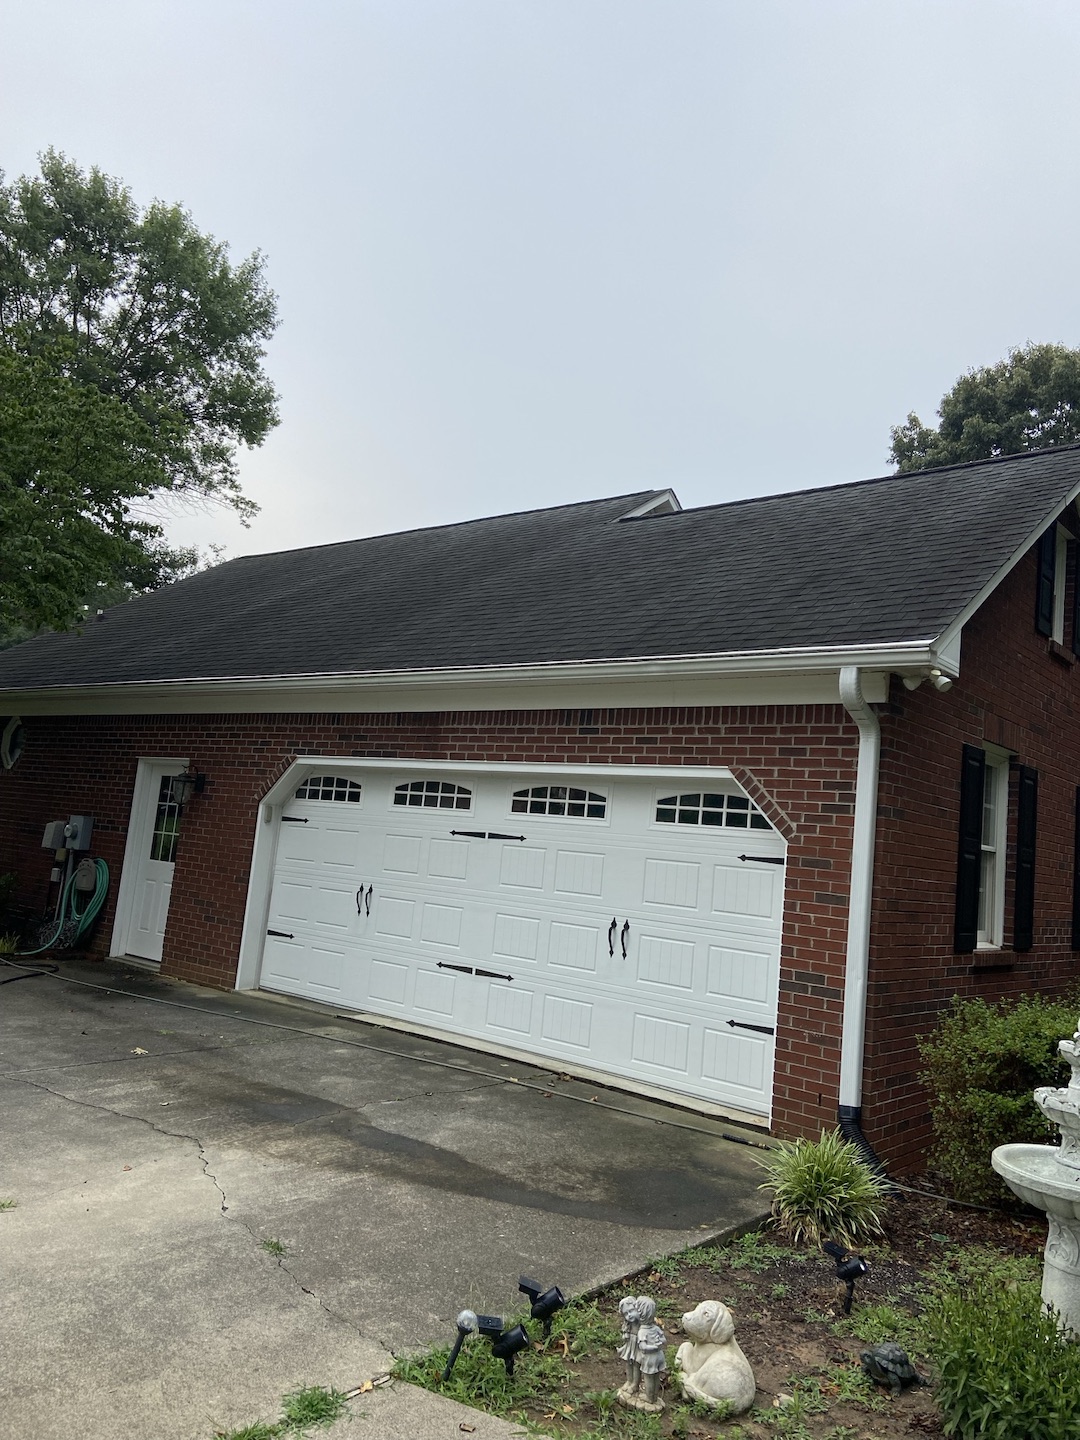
<point x="154" y="1148"/>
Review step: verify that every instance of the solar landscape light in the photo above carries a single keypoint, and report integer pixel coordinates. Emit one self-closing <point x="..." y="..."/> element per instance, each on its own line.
<point x="505" y="1344"/>
<point x="849" y="1268"/>
<point x="544" y="1302"/>
<point x="467" y="1322"/>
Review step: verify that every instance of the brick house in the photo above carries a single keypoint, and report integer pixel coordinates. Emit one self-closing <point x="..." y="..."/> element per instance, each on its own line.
<point x="721" y="805"/>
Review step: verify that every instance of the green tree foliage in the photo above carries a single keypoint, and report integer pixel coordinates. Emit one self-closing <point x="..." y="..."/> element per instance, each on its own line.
<point x="130" y="371"/>
<point x="1027" y="402"/>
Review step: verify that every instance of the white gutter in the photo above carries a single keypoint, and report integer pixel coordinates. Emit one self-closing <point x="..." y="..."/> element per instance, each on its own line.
<point x="861" y="894"/>
<point x="905" y="657"/>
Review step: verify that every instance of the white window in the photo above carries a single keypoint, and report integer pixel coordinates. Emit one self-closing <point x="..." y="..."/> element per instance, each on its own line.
<point x="329" y="787"/>
<point x="566" y="800"/>
<point x="995" y="810"/>
<point x="736" y="812"/>
<point x="432" y="795"/>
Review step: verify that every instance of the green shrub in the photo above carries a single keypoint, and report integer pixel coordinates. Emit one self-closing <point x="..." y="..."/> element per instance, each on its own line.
<point x="823" y="1189"/>
<point x="981" y="1065"/>
<point x="1005" y="1371"/>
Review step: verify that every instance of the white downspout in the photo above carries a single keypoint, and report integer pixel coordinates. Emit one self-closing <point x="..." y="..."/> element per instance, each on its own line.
<point x="861" y="897"/>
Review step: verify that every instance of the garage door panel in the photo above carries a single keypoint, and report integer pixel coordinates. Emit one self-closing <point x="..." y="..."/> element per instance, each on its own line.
<point x="435" y="993"/>
<point x="448" y="859"/>
<point x="573" y="947"/>
<point x="441" y="925"/>
<point x="662" y="1044"/>
<point x="673" y="883"/>
<point x="665" y="962"/>
<point x="753" y="895"/>
<point x="394" y="916"/>
<point x="510" y="1008"/>
<point x="737" y="1061"/>
<point x="516" y="937"/>
<point x="742" y="975"/>
<point x="402" y="854"/>
<point x="579" y="873"/>
<point x="567" y="1022"/>
<point x="388" y="981"/>
<point x="522" y="867"/>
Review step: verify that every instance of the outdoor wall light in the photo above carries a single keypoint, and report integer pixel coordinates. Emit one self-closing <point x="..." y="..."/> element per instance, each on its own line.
<point x="466" y="1323"/>
<point x="505" y="1344"/>
<point x="183" y="787"/>
<point x="849" y="1268"/>
<point x="544" y="1302"/>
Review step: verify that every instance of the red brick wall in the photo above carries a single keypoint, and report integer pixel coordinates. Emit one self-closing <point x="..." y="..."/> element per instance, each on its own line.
<point x="797" y="761"/>
<point x="1014" y="693"/>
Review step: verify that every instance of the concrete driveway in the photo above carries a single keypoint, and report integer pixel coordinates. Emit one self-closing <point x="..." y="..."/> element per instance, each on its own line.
<point x="156" y="1135"/>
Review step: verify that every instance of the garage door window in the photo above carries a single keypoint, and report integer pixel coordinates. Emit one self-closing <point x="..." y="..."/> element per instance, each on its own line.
<point x="433" y="795"/>
<point x="565" y="800"/>
<point x="329" y="787"/>
<point x="735" y="812"/>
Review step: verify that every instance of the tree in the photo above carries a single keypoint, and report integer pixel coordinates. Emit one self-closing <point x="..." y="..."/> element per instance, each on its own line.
<point x="130" y="371"/>
<point x="1027" y="402"/>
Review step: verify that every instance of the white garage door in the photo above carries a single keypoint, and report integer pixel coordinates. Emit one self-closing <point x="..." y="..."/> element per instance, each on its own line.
<point x="630" y="926"/>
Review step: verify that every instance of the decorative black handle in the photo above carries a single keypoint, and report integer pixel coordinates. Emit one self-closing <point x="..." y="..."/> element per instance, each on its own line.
<point x="611" y="935"/>
<point x="367" y="901"/>
<point x="624" y="935"/>
<point x="359" y="898"/>
<point x="283" y="934"/>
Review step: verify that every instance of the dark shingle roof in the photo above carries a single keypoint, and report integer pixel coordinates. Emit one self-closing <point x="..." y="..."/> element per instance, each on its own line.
<point x="877" y="562"/>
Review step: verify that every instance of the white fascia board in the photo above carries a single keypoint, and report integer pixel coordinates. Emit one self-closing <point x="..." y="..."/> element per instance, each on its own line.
<point x="795" y="676"/>
<point x="952" y="631"/>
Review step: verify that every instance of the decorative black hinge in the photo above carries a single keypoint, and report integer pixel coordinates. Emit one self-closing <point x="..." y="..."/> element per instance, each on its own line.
<point x="742" y="1025"/>
<point x="486" y="835"/>
<point x="492" y="974"/>
<point x="764" y="859"/>
<point x="445" y="965"/>
<point x="294" y="819"/>
<point x="470" y="970"/>
<point x="282" y="934"/>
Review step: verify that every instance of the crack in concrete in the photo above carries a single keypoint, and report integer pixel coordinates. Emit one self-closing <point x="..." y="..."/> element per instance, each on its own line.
<point x="204" y="1161"/>
<point x="423" y="1094"/>
<point x="135" y="1059"/>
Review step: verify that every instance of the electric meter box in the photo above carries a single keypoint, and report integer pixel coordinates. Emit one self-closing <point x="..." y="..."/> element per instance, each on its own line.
<point x="78" y="831"/>
<point x="55" y="839"/>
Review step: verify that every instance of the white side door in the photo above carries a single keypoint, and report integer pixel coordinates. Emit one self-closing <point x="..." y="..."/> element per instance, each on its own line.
<point x="154" y="837"/>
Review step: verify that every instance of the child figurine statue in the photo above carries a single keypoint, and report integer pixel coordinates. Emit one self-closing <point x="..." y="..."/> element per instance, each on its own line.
<point x="643" y="1351"/>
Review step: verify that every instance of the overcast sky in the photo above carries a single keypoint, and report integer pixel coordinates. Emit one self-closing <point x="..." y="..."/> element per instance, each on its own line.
<point x="536" y="251"/>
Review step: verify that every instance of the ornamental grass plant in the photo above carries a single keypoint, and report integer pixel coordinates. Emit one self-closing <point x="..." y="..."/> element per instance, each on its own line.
<point x="824" y="1190"/>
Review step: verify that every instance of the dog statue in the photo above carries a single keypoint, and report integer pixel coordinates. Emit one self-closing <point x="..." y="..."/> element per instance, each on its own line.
<point x="710" y="1365"/>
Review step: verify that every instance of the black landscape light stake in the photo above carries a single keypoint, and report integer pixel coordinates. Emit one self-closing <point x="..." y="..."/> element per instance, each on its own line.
<point x="467" y="1322"/>
<point x="544" y="1302"/>
<point x="849" y="1268"/>
<point x="505" y="1344"/>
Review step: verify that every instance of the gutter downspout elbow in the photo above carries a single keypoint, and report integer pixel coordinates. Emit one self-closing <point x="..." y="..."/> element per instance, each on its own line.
<point x="856" y="970"/>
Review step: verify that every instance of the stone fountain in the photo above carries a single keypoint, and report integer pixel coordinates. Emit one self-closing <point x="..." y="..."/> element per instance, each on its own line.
<point x="1048" y="1177"/>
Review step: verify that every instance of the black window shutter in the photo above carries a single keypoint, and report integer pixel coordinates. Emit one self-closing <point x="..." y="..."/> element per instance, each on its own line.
<point x="1044" y="602"/>
<point x="1074" y="550"/>
<point x="969" y="856"/>
<point x="1076" y="876"/>
<point x="1026" y="806"/>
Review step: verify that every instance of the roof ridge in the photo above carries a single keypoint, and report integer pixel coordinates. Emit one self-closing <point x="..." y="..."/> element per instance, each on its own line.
<point x="860" y="484"/>
<point x="454" y="524"/>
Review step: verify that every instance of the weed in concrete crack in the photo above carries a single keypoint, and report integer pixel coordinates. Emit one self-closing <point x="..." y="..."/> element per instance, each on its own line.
<point x="311" y="1406"/>
<point x="8" y="1203"/>
<point x="275" y="1247"/>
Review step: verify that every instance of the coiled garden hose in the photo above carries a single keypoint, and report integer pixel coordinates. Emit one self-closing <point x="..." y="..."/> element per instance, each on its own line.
<point x="71" y="922"/>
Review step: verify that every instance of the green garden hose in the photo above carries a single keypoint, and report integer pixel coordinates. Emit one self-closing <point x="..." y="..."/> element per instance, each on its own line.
<point x="71" y="922"/>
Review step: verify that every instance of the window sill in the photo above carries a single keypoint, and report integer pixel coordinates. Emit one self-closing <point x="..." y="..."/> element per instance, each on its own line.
<point x="992" y="957"/>
<point x="1058" y="652"/>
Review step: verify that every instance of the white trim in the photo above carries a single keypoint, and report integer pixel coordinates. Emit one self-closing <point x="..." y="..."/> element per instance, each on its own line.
<point x="996" y="772"/>
<point x="138" y="835"/>
<point x="264" y="842"/>
<point x="804" y="676"/>
<point x="991" y="585"/>
<point x="861" y="895"/>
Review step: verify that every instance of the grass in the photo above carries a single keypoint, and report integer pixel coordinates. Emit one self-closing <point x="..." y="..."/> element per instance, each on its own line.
<point x="300" y="1410"/>
<point x="275" y="1248"/>
<point x="8" y="1203"/>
